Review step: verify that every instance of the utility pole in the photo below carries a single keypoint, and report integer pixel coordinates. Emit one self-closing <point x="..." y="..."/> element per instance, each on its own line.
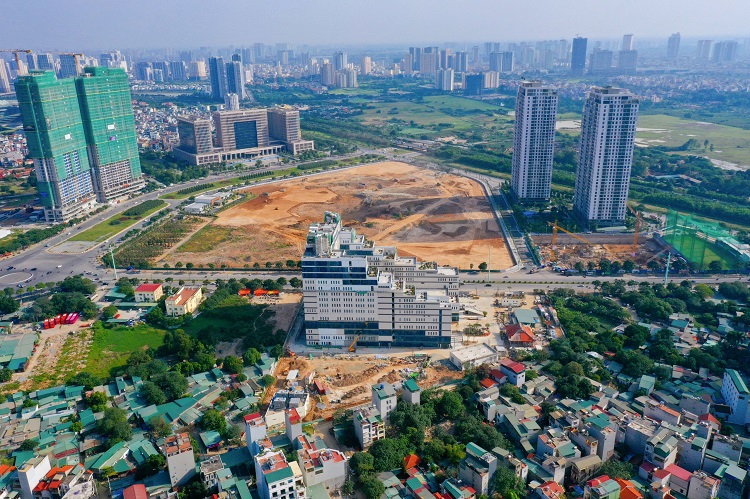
<point x="112" y="256"/>
<point x="666" y="270"/>
<point x="489" y="267"/>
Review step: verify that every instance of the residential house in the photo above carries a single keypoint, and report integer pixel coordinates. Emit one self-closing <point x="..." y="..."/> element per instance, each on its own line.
<point x="737" y="397"/>
<point x="368" y="426"/>
<point x="477" y="468"/>
<point x="584" y="468"/>
<point x="319" y="464"/>
<point x="411" y="392"/>
<point x="679" y="479"/>
<point x="515" y="371"/>
<point x="703" y="486"/>
<point x="384" y="398"/>
<point x="733" y="483"/>
<point x="519" y="335"/>
<point x="602" y="487"/>
<point x="276" y="478"/>
<point x="180" y="458"/>
<point x="549" y="490"/>
<point x="661" y="448"/>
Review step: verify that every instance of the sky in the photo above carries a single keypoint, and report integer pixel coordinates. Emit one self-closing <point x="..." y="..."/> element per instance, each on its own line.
<point x="84" y="24"/>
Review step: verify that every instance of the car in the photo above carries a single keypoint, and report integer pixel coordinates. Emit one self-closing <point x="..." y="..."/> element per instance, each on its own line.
<point x="59" y="266"/>
<point x="33" y="269"/>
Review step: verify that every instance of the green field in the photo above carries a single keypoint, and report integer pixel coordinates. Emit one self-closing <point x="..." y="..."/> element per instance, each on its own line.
<point x="233" y="318"/>
<point x="113" y="225"/>
<point x="729" y="143"/>
<point x="112" y="347"/>
<point x="207" y="239"/>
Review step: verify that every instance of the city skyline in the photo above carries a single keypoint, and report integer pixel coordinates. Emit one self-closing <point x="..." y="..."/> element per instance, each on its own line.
<point x="417" y="21"/>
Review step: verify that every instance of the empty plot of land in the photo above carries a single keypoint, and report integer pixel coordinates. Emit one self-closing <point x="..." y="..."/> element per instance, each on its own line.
<point x="427" y="214"/>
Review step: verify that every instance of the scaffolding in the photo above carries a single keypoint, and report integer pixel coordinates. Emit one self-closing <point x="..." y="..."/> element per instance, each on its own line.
<point x="701" y="242"/>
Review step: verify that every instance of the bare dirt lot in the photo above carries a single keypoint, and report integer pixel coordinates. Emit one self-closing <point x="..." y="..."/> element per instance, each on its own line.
<point x="568" y="254"/>
<point x="431" y="215"/>
<point x="349" y="378"/>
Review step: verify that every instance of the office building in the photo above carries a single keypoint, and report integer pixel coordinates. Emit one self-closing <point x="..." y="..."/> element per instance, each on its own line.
<point x="534" y="141"/>
<point x="148" y="293"/>
<point x="704" y="49"/>
<point x="461" y="62"/>
<point x="236" y="79"/>
<point x="217" y="72"/>
<point x="627" y="42"/>
<point x="184" y="301"/>
<point x="163" y="67"/>
<point x="231" y="102"/>
<point x="31" y="61"/>
<point x="627" y="61"/>
<point x="69" y="65"/>
<point x="340" y="61"/>
<point x="56" y="142"/>
<point x="366" y="67"/>
<point x="180" y="458"/>
<point x="606" y="155"/>
<point x="444" y="80"/>
<point x="243" y="129"/>
<point x="107" y="113"/>
<point x="578" y="56"/>
<point x="473" y="84"/>
<point x="355" y="291"/>
<point x="600" y="62"/>
<point x="327" y="74"/>
<point x="737" y="397"/>
<point x="195" y="136"/>
<point x="673" y="46"/>
<point x="4" y="78"/>
<point x="284" y="126"/>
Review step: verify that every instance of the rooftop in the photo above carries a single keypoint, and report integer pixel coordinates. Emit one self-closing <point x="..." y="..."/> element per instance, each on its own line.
<point x="183" y="295"/>
<point x="737" y="380"/>
<point x="147" y="288"/>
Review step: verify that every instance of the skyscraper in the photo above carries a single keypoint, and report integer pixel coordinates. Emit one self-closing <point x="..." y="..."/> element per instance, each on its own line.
<point x="340" y="61"/>
<point x="627" y="42"/>
<point x="578" y="56"/>
<point x="724" y="51"/>
<point x="416" y="57"/>
<point x="601" y="61"/>
<point x="444" y="80"/>
<point x="606" y="155"/>
<point x="236" y="79"/>
<point x="627" y="61"/>
<point x="428" y="63"/>
<point x="366" y="67"/>
<point x="143" y="71"/>
<point x="177" y="71"/>
<point x="461" y="62"/>
<point x="534" y="141"/>
<point x="218" y="76"/>
<point x="673" y="46"/>
<point x="327" y="74"/>
<point x="69" y="66"/>
<point x="231" y="102"/>
<point x="704" y="49"/>
<point x="4" y="78"/>
<point x="56" y="142"/>
<point x="45" y="62"/>
<point x="107" y="114"/>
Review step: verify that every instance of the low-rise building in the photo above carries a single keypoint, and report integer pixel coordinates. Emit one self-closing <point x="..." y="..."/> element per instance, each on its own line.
<point x="550" y="490"/>
<point x="148" y="293"/>
<point x="180" y="458"/>
<point x="368" y="426"/>
<point x="584" y="468"/>
<point x="475" y="355"/>
<point x="515" y="371"/>
<point x="703" y="486"/>
<point x="185" y="301"/>
<point x="660" y="412"/>
<point x="661" y="448"/>
<point x="276" y="478"/>
<point x="733" y="483"/>
<point x="411" y="392"/>
<point x="319" y="464"/>
<point x="384" y="398"/>
<point x="602" y="487"/>
<point x="478" y="468"/>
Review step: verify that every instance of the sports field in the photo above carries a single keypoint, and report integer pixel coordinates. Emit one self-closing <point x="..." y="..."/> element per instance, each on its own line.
<point x="431" y="215"/>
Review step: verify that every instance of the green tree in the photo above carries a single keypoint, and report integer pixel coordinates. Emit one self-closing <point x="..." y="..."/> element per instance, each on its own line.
<point x="617" y="469"/>
<point x="87" y="380"/>
<point x="213" y="420"/>
<point x="109" y="311"/>
<point x="159" y="427"/>
<point x="362" y="463"/>
<point x="28" y="445"/>
<point x="152" y="393"/>
<point x="388" y="453"/>
<point x="97" y="401"/>
<point x="8" y="304"/>
<point x="251" y="357"/>
<point x="704" y="290"/>
<point x="451" y="406"/>
<point x="5" y="375"/>
<point x="173" y="384"/>
<point x="77" y="284"/>
<point x="295" y="282"/>
<point x="483" y="266"/>
<point x="125" y="287"/>
<point x="114" y="425"/>
<point x="371" y="487"/>
<point x="232" y="364"/>
<point x="76" y="427"/>
<point x="268" y="380"/>
<point x="507" y="484"/>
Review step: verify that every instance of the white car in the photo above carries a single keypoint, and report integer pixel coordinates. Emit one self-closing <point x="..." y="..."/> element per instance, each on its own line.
<point x="59" y="266"/>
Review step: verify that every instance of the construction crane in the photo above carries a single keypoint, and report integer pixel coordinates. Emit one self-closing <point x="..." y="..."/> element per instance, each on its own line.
<point x="353" y="348"/>
<point x="555" y="228"/>
<point x="18" y="60"/>
<point x="638" y="225"/>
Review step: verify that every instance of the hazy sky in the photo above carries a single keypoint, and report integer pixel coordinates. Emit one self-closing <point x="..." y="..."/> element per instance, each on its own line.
<point x="82" y="24"/>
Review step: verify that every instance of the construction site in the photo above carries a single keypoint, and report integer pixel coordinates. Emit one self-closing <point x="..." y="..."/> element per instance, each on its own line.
<point x="343" y="381"/>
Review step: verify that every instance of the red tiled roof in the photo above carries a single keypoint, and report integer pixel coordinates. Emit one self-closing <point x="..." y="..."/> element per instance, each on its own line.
<point x="661" y="474"/>
<point x="519" y="333"/>
<point x="710" y="418"/>
<point x="411" y="461"/>
<point x="680" y="473"/>
<point x="595" y="482"/>
<point x="137" y="491"/>
<point x="514" y="366"/>
<point x="487" y="383"/>
<point x="147" y="288"/>
<point x="648" y="466"/>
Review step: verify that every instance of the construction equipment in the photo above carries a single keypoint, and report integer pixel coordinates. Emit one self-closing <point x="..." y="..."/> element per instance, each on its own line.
<point x="555" y="228"/>
<point x="352" y="347"/>
<point x="638" y="225"/>
<point x="18" y="60"/>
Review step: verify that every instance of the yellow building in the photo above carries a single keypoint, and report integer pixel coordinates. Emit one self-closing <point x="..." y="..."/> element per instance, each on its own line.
<point x="148" y="293"/>
<point x="184" y="301"/>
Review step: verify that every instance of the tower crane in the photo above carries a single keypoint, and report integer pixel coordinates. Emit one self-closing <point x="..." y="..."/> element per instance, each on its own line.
<point x="15" y="53"/>
<point x="638" y="225"/>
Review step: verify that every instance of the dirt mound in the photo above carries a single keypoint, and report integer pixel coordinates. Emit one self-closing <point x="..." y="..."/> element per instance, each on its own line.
<point x="460" y="231"/>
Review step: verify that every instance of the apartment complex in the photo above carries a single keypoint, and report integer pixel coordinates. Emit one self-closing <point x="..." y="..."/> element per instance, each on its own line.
<point x="737" y="397"/>
<point x="355" y="291"/>
<point x="243" y="133"/>
<point x="534" y="141"/>
<point x="184" y="301"/>
<point x="80" y="133"/>
<point x="606" y="156"/>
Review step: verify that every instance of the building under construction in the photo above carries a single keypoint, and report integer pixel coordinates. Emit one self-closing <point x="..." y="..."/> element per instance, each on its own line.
<point x="701" y="243"/>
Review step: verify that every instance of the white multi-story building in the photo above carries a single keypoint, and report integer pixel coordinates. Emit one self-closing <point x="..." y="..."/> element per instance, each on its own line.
<point x="180" y="458"/>
<point x="277" y="478"/>
<point x="606" y="155"/>
<point x="737" y="396"/>
<point x="31" y="473"/>
<point x="368" y="426"/>
<point x="384" y="398"/>
<point x="444" y="79"/>
<point x="320" y="464"/>
<point x="355" y="291"/>
<point x="534" y="141"/>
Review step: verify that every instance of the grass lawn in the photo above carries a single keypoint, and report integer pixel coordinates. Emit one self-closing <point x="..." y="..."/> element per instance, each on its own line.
<point x="113" y="225"/>
<point x="207" y="239"/>
<point x="112" y="347"/>
<point x="223" y="321"/>
<point x="730" y="143"/>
